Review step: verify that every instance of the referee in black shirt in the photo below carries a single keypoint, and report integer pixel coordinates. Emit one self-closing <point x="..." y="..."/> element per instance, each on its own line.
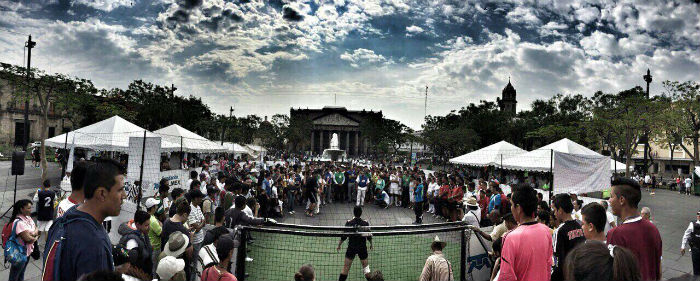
<point x="356" y="245"/>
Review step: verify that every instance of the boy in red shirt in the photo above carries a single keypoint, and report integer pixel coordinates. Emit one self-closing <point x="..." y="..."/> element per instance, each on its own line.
<point x="455" y="201"/>
<point x="637" y="235"/>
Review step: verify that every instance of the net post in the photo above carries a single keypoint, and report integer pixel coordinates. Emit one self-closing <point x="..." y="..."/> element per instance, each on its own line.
<point x="241" y="255"/>
<point x="463" y="256"/>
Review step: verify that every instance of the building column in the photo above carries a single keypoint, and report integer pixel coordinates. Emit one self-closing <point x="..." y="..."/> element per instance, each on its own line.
<point x="312" y="141"/>
<point x="347" y="143"/>
<point x="323" y="141"/>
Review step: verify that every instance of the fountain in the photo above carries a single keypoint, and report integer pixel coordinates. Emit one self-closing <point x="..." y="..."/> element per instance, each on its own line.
<point x="334" y="153"/>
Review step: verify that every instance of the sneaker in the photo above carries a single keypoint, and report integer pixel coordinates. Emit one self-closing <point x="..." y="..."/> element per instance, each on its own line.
<point x="248" y="259"/>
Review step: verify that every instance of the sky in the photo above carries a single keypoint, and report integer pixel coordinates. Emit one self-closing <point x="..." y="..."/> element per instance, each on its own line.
<point x="266" y="56"/>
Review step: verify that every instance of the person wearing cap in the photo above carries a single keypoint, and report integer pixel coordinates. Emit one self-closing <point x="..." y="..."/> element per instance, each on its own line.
<point x="155" y="226"/>
<point x="437" y="267"/>
<point x="171" y="269"/>
<point x="472" y="215"/>
<point x="224" y="251"/>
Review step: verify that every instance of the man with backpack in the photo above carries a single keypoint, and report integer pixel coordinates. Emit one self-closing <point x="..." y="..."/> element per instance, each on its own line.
<point x="44" y="199"/>
<point x="691" y="238"/>
<point x="135" y="240"/>
<point x="77" y="244"/>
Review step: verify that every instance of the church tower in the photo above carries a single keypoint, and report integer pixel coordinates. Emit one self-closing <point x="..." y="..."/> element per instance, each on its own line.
<point x="507" y="101"/>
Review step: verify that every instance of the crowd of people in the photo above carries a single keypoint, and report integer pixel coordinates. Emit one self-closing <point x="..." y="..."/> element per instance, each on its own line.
<point x="190" y="233"/>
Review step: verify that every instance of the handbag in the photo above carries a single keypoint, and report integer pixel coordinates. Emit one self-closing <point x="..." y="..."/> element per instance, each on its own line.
<point x="15" y="253"/>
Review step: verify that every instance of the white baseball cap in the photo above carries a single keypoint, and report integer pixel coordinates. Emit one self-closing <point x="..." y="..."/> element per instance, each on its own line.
<point x="150" y="202"/>
<point x="169" y="266"/>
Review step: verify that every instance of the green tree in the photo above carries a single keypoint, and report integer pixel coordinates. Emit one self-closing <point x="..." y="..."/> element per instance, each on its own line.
<point x="685" y="101"/>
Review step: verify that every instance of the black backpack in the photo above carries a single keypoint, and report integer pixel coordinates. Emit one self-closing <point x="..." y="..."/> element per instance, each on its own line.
<point x="694" y="240"/>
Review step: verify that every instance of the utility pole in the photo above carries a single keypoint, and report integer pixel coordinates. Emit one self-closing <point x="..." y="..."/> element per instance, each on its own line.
<point x="223" y="128"/>
<point x="29" y="45"/>
<point x="425" y="106"/>
<point x="647" y="78"/>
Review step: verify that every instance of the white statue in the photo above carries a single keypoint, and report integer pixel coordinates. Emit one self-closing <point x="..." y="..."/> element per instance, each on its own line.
<point x="334" y="141"/>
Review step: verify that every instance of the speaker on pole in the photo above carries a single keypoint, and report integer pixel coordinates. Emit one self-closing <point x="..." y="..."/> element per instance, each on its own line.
<point x="18" y="163"/>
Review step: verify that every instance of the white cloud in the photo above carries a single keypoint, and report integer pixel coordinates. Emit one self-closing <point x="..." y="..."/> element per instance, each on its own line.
<point x="523" y="14"/>
<point x="362" y="56"/>
<point x="413" y="29"/>
<point x="106" y="5"/>
<point x="588" y="14"/>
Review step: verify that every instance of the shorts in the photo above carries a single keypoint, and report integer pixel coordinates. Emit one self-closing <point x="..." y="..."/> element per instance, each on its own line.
<point x="395" y="190"/>
<point x="360" y="252"/>
<point x="43" y="225"/>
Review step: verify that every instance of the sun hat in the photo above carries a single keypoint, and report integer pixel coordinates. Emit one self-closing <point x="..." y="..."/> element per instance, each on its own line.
<point x="471" y="201"/>
<point x="437" y="241"/>
<point x="169" y="266"/>
<point x="176" y="245"/>
<point x="150" y="202"/>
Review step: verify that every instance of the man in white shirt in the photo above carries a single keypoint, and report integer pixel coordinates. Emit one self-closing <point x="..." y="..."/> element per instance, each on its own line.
<point x="611" y="220"/>
<point x="196" y="222"/>
<point x="77" y="196"/>
<point x="472" y="216"/>
<point x="394" y="189"/>
<point x="688" y="185"/>
<point x="692" y="236"/>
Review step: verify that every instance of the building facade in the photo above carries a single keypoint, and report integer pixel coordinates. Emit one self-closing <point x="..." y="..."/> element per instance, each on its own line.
<point x="662" y="162"/>
<point x="339" y="120"/>
<point x="12" y="119"/>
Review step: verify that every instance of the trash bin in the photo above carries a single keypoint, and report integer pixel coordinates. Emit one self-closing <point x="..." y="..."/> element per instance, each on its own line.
<point x="696" y="190"/>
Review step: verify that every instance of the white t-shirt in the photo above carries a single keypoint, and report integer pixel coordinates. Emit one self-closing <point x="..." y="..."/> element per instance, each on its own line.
<point x="394" y="185"/>
<point x="63" y="207"/>
<point x="688" y="182"/>
<point x="196" y="216"/>
<point x="610" y="218"/>
<point x="386" y="197"/>
<point x="472" y="217"/>
<point x="247" y="211"/>
<point x="189" y="183"/>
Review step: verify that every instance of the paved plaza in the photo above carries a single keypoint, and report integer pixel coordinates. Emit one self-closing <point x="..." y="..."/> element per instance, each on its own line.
<point x="671" y="212"/>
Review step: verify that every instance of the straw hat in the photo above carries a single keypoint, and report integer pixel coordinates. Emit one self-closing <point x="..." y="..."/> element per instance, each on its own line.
<point x="471" y="201"/>
<point x="176" y="245"/>
<point x="437" y="241"/>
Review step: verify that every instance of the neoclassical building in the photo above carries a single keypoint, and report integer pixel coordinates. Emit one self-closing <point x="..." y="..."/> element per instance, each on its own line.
<point x="331" y="119"/>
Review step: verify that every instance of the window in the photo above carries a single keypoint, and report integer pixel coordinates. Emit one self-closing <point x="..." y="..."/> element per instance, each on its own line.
<point x="52" y="132"/>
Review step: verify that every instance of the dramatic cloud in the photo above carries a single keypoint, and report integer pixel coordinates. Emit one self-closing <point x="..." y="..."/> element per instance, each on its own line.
<point x="268" y="55"/>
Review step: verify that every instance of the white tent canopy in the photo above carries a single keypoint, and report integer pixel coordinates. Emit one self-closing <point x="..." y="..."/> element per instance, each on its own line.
<point x="111" y="134"/>
<point x="190" y="141"/>
<point x="541" y="159"/>
<point x="491" y="155"/>
<point x="236" y="148"/>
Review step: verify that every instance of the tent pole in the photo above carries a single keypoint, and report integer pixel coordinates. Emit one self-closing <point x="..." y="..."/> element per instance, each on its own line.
<point x="143" y="156"/>
<point x="551" y="173"/>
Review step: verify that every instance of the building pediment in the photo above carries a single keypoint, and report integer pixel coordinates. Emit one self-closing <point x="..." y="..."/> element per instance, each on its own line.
<point x="335" y="119"/>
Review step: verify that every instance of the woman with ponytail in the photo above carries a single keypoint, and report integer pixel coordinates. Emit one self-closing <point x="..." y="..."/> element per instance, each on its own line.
<point x="26" y="232"/>
<point x="305" y="273"/>
<point x="594" y="261"/>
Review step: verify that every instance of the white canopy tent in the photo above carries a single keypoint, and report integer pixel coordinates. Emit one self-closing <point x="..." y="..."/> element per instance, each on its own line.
<point x="189" y="141"/>
<point x="111" y="134"/>
<point x="236" y="148"/>
<point x="491" y="155"/>
<point x="541" y="159"/>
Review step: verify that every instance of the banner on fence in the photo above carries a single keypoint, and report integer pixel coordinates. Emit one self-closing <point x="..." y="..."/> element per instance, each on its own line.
<point x="151" y="167"/>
